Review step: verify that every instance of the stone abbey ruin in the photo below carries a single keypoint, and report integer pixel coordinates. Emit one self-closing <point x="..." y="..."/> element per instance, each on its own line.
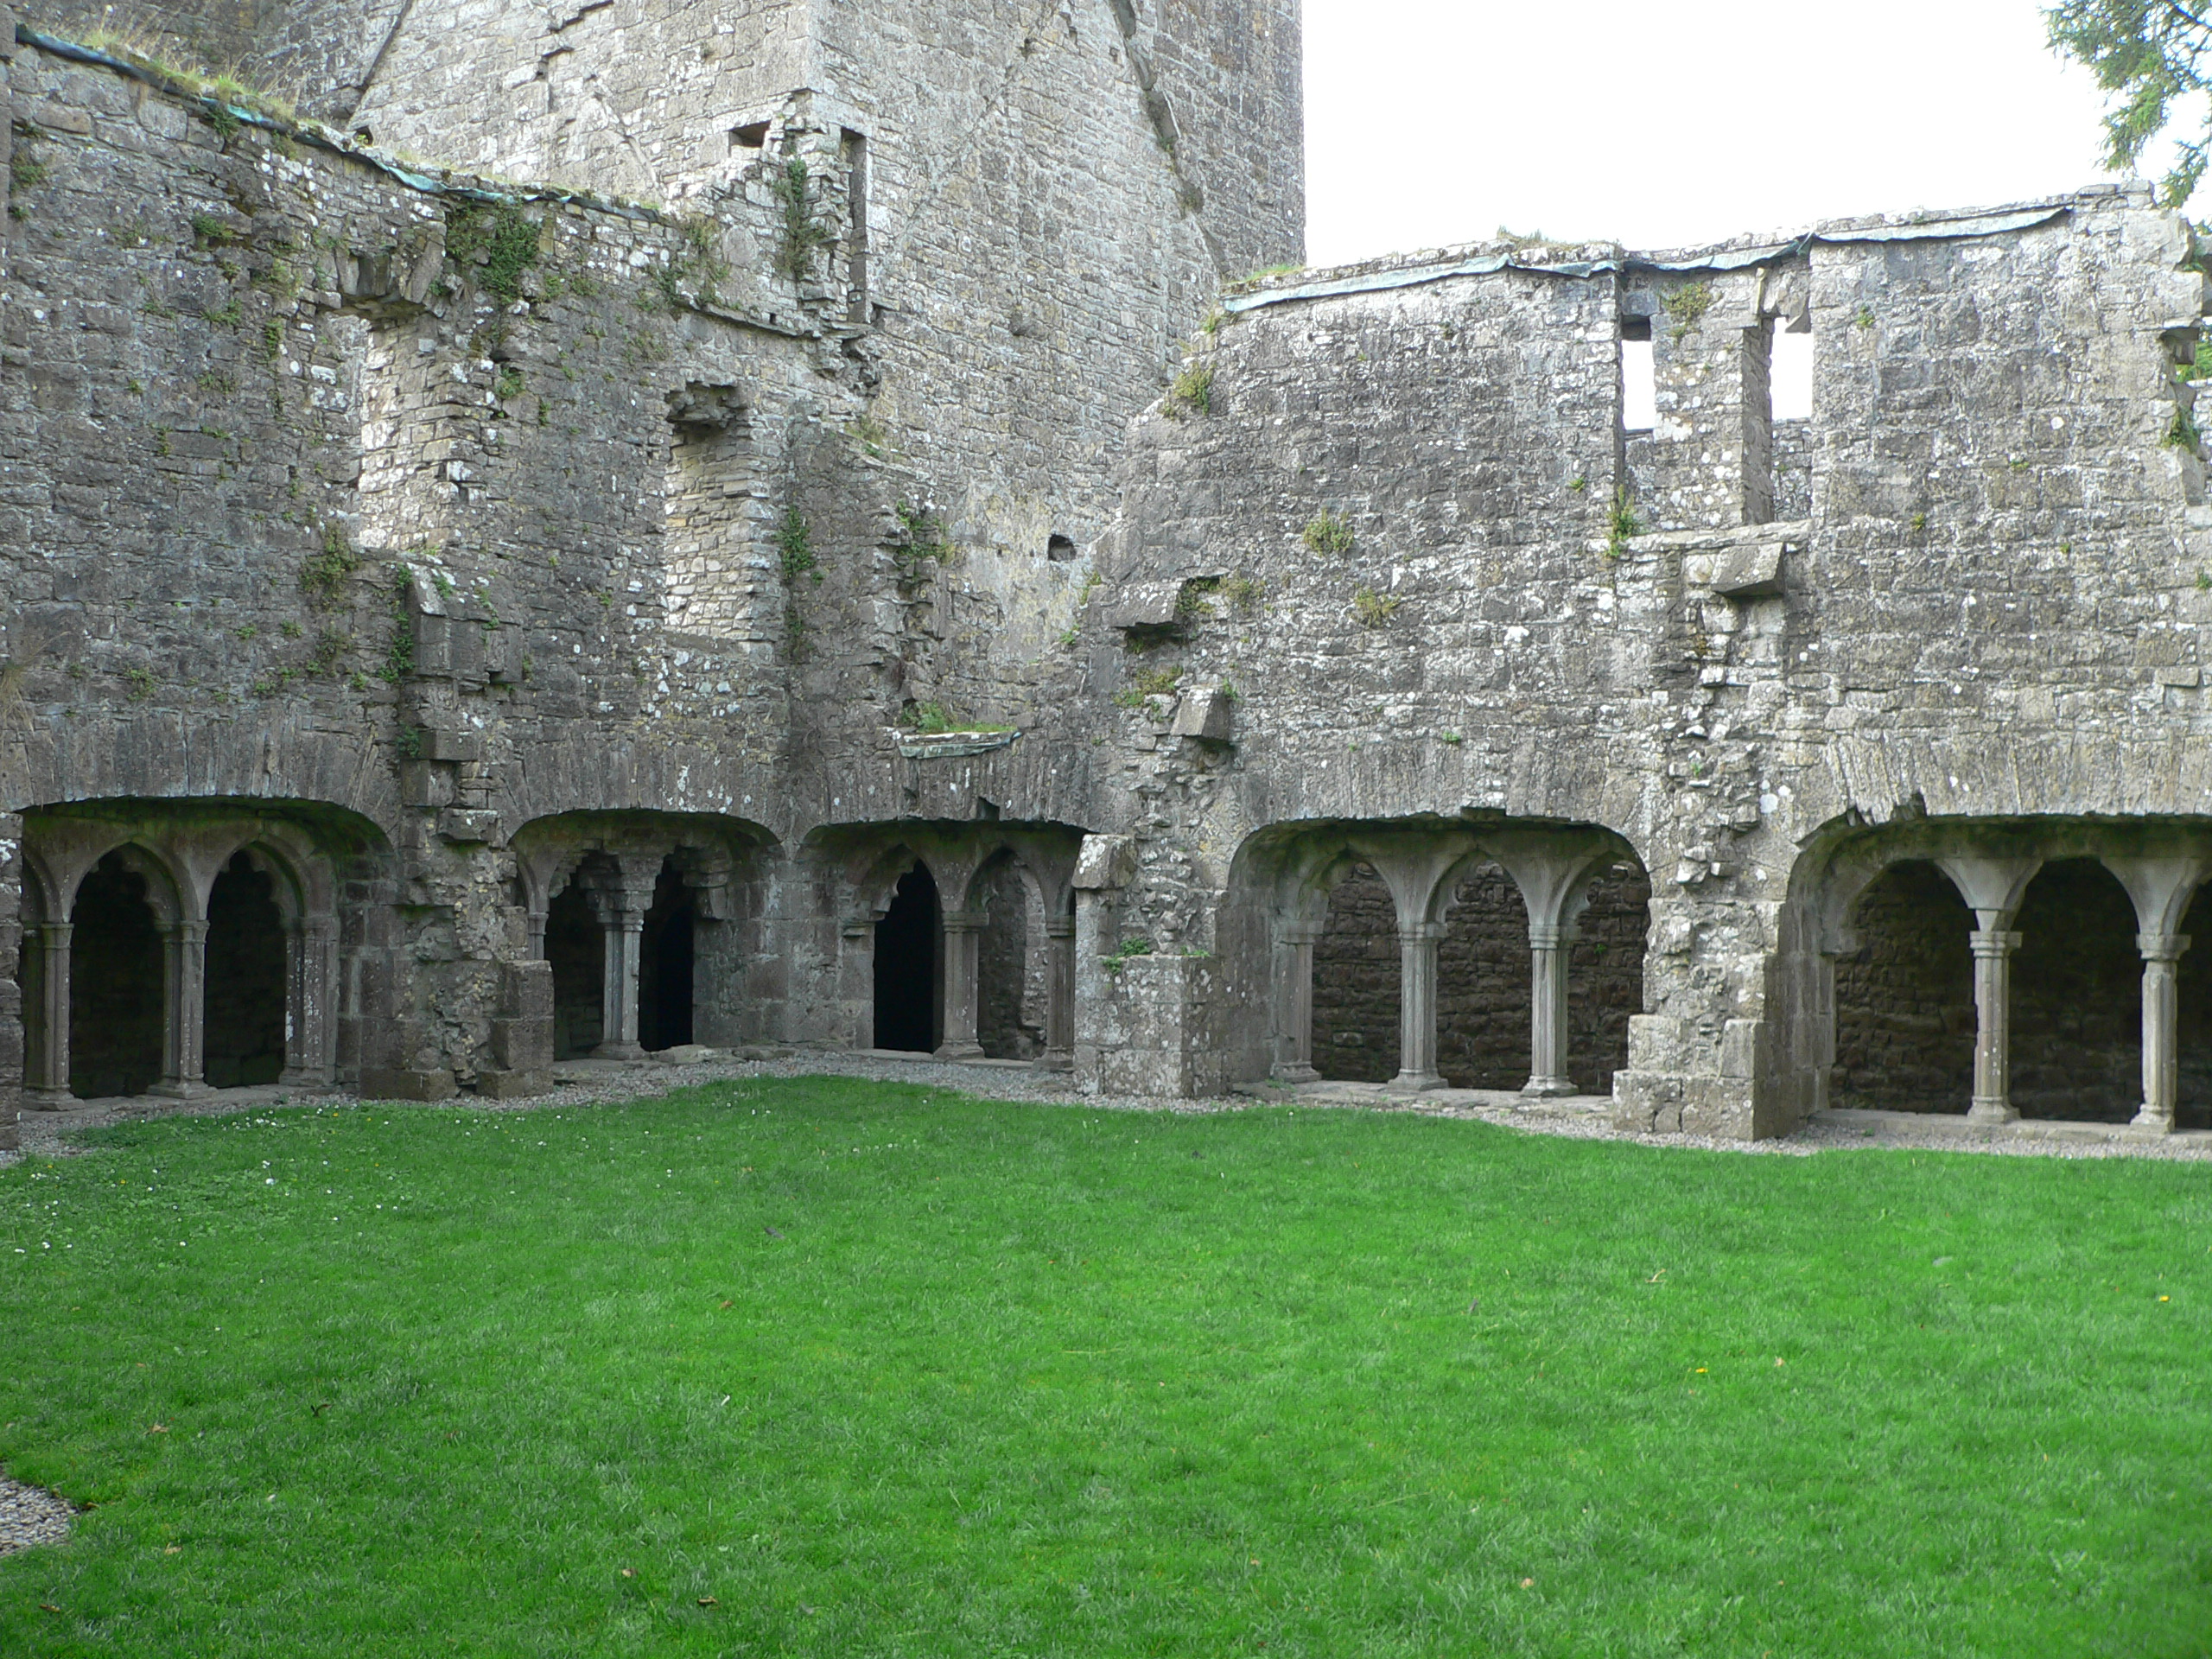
<point x="623" y="524"/>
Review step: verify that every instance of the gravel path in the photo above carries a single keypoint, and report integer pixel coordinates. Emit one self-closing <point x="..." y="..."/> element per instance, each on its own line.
<point x="30" y="1516"/>
<point x="586" y="1083"/>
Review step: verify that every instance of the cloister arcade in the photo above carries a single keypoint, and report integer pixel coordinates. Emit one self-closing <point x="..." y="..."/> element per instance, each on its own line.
<point x="644" y="919"/>
<point x="967" y="932"/>
<point x="176" y="948"/>
<point x="2035" y="969"/>
<point x="1426" y="955"/>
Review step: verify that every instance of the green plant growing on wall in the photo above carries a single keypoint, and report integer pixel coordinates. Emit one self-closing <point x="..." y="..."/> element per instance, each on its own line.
<point x="25" y="170"/>
<point x="1330" y="533"/>
<point x="399" y="655"/>
<point x="2183" y="434"/>
<point x="1621" y="524"/>
<point x="493" y="243"/>
<point x="1191" y="390"/>
<point x="330" y="648"/>
<point x="1244" y="592"/>
<point x="1151" y="683"/>
<point x="803" y="235"/>
<point x="141" y="684"/>
<point x="1129" y="951"/>
<point x="1373" y="610"/>
<point x="1195" y="599"/>
<point x="1686" y="307"/>
<point x="921" y="539"/>
<point x="795" y="547"/>
<point x="510" y="384"/>
<point x="934" y="719"/>
<point x="323" y="577"/>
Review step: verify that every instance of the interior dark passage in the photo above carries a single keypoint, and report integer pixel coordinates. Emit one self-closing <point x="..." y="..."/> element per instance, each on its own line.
<point x="907" y="942"/>
<point x="244" y="1032"/>
<point x="1355" y="982"/>
<point x="2077" y="997"/>
<point x="1481" y="984"/>
<point x="1605" y="977"/>
<point x="1009" y="984"/>
<point x="577" y="949"/>
<point x="116" y="985"/>
<point x="1904" y="1015"/>
<point x="666" y="981"/>
<point x="2193" y="1021"/>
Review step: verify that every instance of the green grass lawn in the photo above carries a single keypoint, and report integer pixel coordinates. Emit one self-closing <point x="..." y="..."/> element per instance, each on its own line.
<point x="838" y="1367"/>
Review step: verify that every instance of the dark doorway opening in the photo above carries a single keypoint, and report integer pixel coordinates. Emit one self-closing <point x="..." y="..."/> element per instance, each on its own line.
<point x="1904" y="1014"/>
<point x="244" y="1034"/>
<point x="117" y="985"/>
<point x="2077" y="997"/>
<point x="1481" y="984"/>
<point x="1355" y="982"/>
<point x="1010" y="988"/>
<point x="907" y="950"/>
<point x="666" y="981"/>
<point x="577" y="949"/>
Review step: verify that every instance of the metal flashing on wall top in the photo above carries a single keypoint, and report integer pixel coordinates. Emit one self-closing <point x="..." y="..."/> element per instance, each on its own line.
<point x="1956" y="225"/>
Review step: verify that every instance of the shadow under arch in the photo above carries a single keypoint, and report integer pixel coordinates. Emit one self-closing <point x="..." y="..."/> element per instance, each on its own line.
<point x="1002" y="946"/>
<point x="187" y="856"/>
<point x="1283" y="880"/>
<point x="653" y="926"/>
<point x="2049" y="903"/>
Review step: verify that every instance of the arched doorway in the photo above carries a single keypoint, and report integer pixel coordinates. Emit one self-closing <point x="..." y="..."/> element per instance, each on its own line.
<point x="666" y="957"/>
<point x="1904" y="1011"/>
<point x="244" y="1040"/>
<point x="2077" y="997"/>
<point x="1355" y="982"/>
<point x="908" y="949"/>
<point x="577" y="946"/>
<point x="118" y="988"/>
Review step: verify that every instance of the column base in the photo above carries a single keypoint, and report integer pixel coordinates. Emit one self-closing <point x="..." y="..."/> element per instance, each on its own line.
<point x="958" y="1051"/>
<point x="2148" y="1121"/>
<point x="179" y="1088"/>
<point x="1993" y="1111"/>
<point x="1296" y="1072"/>
<point x="618" y="1052"/>
<point x="1548" y="1088"/>
<point x="1415" y="1082"/>
<point x="1055" y="1060"/>
<point x="305" y="1078"/>
<point x="48" y="1100"/>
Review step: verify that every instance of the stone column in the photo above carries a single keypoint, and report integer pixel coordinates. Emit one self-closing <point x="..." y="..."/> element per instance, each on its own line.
<point x="1059" y="1003"/>
<point x="624" y="928"/>
<point x="2162" y="954"/>
<point x="306" y="1004"/>
<point x="1548" y="948"/>
<point x="1416" y="1009"/>
<point x="1993" y="1040"/>
<point x="184" y="945"/>
<point x="46" y="1059"/>
<point x="1294" y="943"/>
<point x="963" y="930"/>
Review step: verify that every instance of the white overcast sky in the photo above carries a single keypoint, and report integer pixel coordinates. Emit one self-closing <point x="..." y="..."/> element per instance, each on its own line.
<point x="1432" y="122"/>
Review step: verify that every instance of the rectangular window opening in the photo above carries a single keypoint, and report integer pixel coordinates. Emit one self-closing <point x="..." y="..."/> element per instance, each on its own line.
<point x="855" y="152"/>
<point x="753" y="135"/>
<point x="1639" y="382"/>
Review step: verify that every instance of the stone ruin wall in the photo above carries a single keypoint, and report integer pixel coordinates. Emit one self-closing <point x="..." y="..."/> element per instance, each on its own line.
<point x="1988" y="610"/>
<point x="313" y="504"/>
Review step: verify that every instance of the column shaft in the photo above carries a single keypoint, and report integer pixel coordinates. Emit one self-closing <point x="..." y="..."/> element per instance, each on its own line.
<point x="1416" y="1009"/>
<point x="1993" y="1042"/>
<point x="185" y="1015"/>
<point x="1548" y="949"/>
<point x="1059" y="1003"/>
<point x="1294" y="960"/>
<point x="307" y="1011"/>
<point x="618" y="1001"/>
<point x="963" y="930"/>
<point x="2162" y="955"/>
<point x="46" y="1059"/>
